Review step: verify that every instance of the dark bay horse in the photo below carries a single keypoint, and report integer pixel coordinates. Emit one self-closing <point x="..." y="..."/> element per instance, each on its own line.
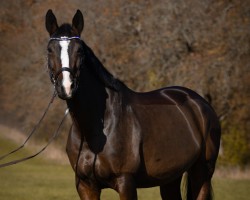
<point x="123" y="139"/>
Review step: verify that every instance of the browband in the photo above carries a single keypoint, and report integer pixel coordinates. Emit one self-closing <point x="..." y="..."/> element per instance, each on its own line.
<point x="64" y="38"/>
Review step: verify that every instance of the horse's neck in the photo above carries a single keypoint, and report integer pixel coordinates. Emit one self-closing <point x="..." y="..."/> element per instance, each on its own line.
<point x="96" y="96"/>
<point x="88" y="109"/>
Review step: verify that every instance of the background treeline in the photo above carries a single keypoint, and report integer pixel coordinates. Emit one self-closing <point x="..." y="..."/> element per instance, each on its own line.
<point x="200" y="44"/>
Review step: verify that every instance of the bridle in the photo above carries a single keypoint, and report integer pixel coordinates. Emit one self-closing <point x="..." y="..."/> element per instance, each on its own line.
<point x="74" y="73"/>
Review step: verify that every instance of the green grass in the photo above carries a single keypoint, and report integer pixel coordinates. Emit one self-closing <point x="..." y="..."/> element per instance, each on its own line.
<point x="40" y="179"/>
<point x="231" y="189"/>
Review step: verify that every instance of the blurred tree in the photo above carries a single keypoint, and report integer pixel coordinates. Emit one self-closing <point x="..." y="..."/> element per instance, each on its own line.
<point x="203" y="45"/>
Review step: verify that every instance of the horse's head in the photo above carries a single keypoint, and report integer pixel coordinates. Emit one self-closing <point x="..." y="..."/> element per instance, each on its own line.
<point x="65" y="53"/>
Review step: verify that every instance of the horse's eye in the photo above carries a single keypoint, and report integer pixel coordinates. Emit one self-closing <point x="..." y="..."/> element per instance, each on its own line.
<point x="79" y="51"/>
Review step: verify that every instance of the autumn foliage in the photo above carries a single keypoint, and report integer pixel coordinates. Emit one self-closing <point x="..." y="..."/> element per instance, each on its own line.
<point x="202" y="45"/>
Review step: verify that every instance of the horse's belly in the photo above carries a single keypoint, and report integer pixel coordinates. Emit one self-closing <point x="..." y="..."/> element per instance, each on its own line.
<point x="169" y="163"/>
<point x="171" y="141"/>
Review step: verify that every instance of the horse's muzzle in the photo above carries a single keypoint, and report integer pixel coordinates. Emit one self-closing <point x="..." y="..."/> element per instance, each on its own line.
<point x="66" y="88"/>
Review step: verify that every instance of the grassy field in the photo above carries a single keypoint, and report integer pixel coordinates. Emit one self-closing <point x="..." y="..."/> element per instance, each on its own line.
<point x="41" y="179"/>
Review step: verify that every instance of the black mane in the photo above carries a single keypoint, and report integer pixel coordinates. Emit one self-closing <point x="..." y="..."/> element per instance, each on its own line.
<point x="103" y="74"/>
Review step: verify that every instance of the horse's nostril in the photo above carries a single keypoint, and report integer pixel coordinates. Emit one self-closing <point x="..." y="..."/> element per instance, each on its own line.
<point x="73" y="85"/>
<point x="61" y="88"/>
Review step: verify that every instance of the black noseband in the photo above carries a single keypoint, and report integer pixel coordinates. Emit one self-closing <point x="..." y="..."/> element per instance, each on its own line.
<point x="54" y="77"/>
<point x="74" y="74"/>
<point x="62" y="70"/>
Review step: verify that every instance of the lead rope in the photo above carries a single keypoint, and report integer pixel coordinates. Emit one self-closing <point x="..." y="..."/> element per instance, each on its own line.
<point x="34" y="129"/>
<point x="34" y="155"/>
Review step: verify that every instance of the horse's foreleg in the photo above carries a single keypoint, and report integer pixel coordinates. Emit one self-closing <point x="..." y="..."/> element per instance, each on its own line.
<point x="125" y="186"/>
<point x="87" y="191"/>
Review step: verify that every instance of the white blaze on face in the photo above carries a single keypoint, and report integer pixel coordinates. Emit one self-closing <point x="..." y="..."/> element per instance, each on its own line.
<point x="66" y="82"/>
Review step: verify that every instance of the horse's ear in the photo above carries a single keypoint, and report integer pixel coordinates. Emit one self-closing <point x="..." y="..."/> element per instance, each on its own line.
<point x="51" y="22"/>
<point x="78" y="22"/>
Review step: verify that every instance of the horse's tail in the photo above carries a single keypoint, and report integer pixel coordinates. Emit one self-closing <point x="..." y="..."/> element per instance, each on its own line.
<point x="186" y="189"/>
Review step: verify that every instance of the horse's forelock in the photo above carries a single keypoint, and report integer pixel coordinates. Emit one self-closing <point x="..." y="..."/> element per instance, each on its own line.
<point x="65" y="30"/>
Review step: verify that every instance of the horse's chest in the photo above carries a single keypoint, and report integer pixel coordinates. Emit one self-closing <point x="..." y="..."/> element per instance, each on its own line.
<point x="91" y="166"/>
<point x="85" y="163"/>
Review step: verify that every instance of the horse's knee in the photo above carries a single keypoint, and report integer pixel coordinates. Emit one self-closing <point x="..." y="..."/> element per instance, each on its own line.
<point x="87" y="191"/>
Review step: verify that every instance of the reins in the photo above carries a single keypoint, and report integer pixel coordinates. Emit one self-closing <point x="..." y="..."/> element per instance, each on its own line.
<point x="32" y="132"/>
